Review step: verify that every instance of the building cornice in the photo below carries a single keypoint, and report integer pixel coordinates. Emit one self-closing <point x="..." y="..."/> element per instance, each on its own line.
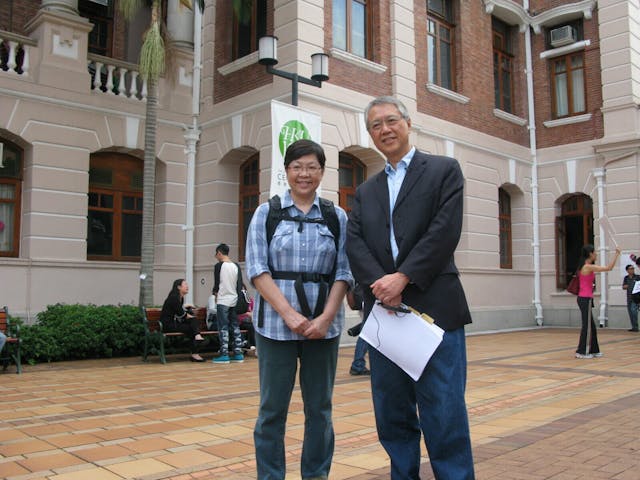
<point x="514" y="14"/>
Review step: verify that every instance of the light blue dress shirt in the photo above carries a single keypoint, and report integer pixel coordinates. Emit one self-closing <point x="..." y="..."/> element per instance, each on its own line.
<point x="395" y="177"/>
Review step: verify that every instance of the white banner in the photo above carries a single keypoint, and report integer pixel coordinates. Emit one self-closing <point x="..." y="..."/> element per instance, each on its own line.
<point x="288" y="124"/>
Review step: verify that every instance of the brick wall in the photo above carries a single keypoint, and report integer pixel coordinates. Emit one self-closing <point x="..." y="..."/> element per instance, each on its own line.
<point x="15" y="14"/>
<point x="241" y="81"/>
<point x="473" y="76"/>
<point x="579" y="132"/>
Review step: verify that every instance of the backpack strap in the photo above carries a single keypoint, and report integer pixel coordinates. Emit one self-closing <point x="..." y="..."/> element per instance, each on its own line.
<point x="328" y="211"/>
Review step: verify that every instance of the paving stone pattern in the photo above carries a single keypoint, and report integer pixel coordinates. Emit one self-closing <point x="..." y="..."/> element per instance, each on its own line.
<point x="536" y="412"/>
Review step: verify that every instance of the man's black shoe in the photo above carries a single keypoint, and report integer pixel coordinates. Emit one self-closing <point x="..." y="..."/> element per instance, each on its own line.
<point x="364" y="371"/>
<point x="632" y="330"/>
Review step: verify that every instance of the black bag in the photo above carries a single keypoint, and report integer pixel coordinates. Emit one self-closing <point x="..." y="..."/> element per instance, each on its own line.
<point x="242" y="306"/>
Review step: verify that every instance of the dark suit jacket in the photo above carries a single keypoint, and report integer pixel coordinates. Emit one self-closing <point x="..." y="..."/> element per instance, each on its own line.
<point x="427" y="221"/>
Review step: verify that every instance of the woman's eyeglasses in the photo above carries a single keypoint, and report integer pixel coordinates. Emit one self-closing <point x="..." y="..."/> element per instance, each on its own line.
<point x="310" y="169"/>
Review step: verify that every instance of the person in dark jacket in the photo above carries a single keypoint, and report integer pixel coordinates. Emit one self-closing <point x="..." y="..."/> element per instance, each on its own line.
<point x="632" y="307"/>
<point x="178" y="317"/>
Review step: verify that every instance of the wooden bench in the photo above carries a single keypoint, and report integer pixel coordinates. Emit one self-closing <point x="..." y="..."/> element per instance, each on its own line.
<point x="153" y="330"/>
<point x="11" y="350"/>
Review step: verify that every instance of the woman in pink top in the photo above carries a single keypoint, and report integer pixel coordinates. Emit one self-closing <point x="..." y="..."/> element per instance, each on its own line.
<point x="588" y="345"/>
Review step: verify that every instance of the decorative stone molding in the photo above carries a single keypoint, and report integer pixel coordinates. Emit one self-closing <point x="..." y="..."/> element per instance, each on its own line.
<point x="446" y="93"/>
<point x="563" y="13"/>
<point x="557" y="52"/>
<point x="239" y="64"/>
<point x="509" y="12"/>
<point x="568" y="121"/>
<point x="357" y="61"/>
<point x="513" y="13"/>
<point x="509" y="117"/>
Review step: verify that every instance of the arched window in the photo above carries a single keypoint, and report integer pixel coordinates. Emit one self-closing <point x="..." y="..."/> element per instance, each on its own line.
<point x="574" y="228"/>
<point x="506" y="239"/>
<point x="10" y="195"/>
<point x="114" y="220"/>
<point x="249" y="195"/>
<point x="352" y="173"/>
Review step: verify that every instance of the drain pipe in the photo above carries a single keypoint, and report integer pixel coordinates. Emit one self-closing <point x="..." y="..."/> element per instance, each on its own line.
<point x="534" y="172"/>
<point x="191" y="136"/>
<point x="599" y="173"/>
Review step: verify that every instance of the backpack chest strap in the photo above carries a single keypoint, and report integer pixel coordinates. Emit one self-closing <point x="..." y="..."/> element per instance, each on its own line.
<point x="300" y="278"/>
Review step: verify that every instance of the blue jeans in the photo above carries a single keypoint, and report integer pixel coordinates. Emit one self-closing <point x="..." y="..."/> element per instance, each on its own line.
<point x="358" y="363"/>
<point x="277" y="363"/>
<point x="3" y="339"/>
<point x="438" y="397"/>
<point x="632" y="308"/>
<point x="228" y="323"/>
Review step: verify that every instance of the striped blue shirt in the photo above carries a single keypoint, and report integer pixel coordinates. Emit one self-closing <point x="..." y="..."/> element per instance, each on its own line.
<point x="311" y="250"/>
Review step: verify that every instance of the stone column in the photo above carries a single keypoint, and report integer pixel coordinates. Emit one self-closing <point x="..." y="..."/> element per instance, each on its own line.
<point x="180" y="24"/>
<point x="63" y="6"/>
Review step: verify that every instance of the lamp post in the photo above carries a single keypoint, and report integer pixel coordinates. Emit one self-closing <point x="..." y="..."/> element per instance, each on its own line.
<point x="268" y="55"/>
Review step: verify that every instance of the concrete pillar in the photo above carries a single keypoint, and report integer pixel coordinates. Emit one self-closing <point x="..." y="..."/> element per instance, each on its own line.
<point x="180" y="24"/>
<point x="62" y="6"/>
<point x="62" y="43"/>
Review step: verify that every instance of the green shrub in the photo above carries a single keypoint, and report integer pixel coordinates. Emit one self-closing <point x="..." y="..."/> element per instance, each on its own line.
<point x="67" y="332"/>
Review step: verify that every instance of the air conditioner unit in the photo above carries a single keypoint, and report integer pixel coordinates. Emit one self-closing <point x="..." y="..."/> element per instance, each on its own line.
<point x="563" y="36"/>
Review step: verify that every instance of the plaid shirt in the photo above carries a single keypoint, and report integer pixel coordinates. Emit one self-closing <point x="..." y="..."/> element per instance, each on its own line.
<point x="311" y="250"/>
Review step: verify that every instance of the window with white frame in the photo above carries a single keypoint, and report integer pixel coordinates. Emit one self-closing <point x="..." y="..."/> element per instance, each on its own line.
<point x="568" y="85"/>
<point x="440" y="43"/>
<point x="352" y="27"/>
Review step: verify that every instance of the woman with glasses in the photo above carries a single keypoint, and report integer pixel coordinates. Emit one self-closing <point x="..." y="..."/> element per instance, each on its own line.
<point x="301" y="275"/>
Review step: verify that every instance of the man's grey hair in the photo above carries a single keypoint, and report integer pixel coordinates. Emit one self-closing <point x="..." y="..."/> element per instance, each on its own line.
<point x="386" y="100"/>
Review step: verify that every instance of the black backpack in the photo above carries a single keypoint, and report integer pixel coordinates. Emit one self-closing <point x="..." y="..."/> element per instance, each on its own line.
<point x="329" y="218"/>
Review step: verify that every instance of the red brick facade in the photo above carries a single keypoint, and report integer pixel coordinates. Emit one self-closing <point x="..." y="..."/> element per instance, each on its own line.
<point x="15" y="14"/>
<point x="241" y="81"/>
<point x="473" y="67"/>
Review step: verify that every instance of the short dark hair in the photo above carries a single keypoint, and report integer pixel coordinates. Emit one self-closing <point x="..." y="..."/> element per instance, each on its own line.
<point x="629" y="266"/>
<point x="223" y="248"/>
<point x="303" y="147"/>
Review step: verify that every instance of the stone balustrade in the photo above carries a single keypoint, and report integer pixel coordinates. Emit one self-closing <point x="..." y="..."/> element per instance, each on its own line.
<point x="113" y="77"/>
<point x="14" y="53"/>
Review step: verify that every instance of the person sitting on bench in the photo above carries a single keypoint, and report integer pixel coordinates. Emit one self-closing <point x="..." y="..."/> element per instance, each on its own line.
<point x="178" y="317"/>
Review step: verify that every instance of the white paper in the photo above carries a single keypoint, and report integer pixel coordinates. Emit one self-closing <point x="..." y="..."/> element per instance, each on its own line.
<point x="636" y="288"/>
<point x="406" y="339"/>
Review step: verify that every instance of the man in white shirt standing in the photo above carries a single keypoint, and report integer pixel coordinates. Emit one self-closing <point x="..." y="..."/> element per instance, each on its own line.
<point x="225" y="282"/>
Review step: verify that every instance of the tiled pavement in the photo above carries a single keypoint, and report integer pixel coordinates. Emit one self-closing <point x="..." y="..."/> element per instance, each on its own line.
<point x="536" y="413"/>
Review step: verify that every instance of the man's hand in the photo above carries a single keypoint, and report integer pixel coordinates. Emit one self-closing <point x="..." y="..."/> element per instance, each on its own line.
<point x="388" y="289"/>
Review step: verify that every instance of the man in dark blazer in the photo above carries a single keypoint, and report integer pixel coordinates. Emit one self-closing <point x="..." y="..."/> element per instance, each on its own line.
<point x="402" y="233"/>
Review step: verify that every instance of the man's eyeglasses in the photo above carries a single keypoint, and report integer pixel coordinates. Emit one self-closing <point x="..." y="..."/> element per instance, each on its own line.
<point x="390" y="121"/>
<point x="310" y="169"/>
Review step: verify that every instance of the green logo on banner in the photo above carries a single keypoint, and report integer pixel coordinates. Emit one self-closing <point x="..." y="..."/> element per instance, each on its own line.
<point x="290" y="132"/>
